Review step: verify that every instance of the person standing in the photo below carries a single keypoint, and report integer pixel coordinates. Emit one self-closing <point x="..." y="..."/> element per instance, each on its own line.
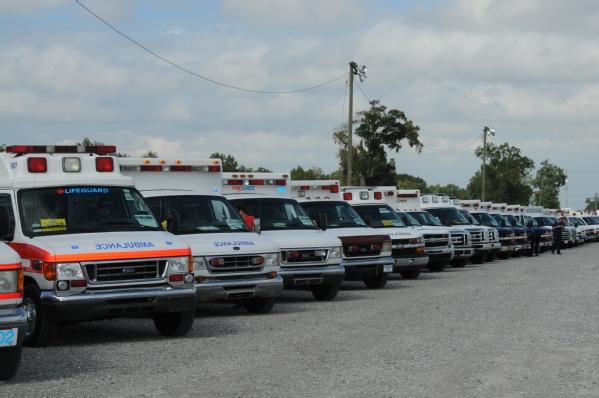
<point x="535" y="238"/>
<point x="558" y="228"/>
<point x="248" y="219"/>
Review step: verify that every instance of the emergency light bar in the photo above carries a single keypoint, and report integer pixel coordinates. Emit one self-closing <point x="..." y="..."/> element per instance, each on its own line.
<point x="236" y="181"/>
<point x="25" y="149"/>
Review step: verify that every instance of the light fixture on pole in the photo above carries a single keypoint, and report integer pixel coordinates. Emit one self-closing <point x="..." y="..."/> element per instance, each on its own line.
<point x="487" y="131"/>
<point x="359" y="71"/>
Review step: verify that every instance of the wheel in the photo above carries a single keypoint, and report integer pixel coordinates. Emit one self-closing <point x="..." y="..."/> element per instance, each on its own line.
<point x="376" y="282"/>
<point x="412" y="274"/>
<point x="9" y="362"/>
<point x="40" y="328"/>
<point x="259" y="305"/>
<point x="458" y="263"/>
<point x="174" y="324"/>
<point x="436" y="267"/>
<point x="325" y="292"/>
<point x="477" y="259"/>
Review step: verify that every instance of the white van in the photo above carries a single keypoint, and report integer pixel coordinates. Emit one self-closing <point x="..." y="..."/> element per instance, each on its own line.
<point x="89" y="244"/>
<point x="437" y="237"/>
<point x="310" y="257"/>
<point x="231" y="262"/>
<point x="409" y="251"/>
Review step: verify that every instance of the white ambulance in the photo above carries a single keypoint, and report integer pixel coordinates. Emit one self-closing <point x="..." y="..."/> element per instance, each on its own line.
<point x="231" y="262"/>
<point x="409" y="251"/>
<point x="90" y="246"/>
<point x="437" y="237"/>
<point x="440" y="207"/>
<point x="471" y="206"/>
<point x="13" y="319"/>
<point x="310" y="258"/>
<point x="366" y="251"/>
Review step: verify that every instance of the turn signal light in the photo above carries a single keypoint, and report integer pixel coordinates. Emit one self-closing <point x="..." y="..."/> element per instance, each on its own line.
<point x="49" y="271"/>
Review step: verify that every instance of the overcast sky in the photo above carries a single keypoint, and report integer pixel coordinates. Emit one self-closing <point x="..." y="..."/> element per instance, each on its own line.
<point x="528" y="68"/>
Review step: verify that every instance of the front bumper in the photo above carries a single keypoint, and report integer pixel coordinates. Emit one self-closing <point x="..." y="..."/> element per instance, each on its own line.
<point x="219" y="289"/>
<point x="356" y="269"/>
<point x="439" y="254"/>
<point x="463" y="252"/>
<point x="511" y="248"/>
<point x="410" y="262"/>
<point x="17" y="319"/>
<point x="100" y="304"/>
<point x="295" y="277"/>
<point x="482" y="247"/>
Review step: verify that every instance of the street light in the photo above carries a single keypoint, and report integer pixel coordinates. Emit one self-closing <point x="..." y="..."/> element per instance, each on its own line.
<point x="487" y="131"/>
<point x="359" y="71"/>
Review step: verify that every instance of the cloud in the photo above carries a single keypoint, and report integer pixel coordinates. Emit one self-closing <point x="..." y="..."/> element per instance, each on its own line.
<point x="27" y="6"/>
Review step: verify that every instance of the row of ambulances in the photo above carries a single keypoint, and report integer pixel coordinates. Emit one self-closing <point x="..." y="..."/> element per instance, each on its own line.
<point x="88" y="236"/>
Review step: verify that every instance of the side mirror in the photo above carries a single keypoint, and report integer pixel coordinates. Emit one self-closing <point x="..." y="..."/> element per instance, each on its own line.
<point x="321" y="221"/>
<point x="257" y="225"/>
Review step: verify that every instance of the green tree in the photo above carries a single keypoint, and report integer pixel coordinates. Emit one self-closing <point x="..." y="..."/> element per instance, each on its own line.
<point x="507" y="175"/>
<point x="451" y="190"/>
<point x="149" y="154"/>
<point x="379" y="130"/>
<point x="592" y="203"/>
<point x="89" y="142"/>
<point x="313" y="173"/>
<point x="548" y="181"/>
<point x="408" y="181"/>
<point x="230" y="164"/>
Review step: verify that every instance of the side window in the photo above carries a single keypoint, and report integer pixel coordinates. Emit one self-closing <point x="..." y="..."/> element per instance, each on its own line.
<point x="7" y="218"/>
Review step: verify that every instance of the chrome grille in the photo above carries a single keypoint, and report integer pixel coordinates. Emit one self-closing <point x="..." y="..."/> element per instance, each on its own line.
<point x="458" y="239"/>
<point x="362" y="250"/>
<point x="125" y="271"/>
<point x="234" y="264"/>
<point x="476" y="236"/>
<point x="436" y="240"/>
<point x="305" y="256"/>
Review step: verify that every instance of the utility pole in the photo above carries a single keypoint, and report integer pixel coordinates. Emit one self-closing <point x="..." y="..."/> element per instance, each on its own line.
<point x="595" y="202"/>
<point x="486" y="131"/>
<point x="361" y="73"/>
<point x="350" y="145"/>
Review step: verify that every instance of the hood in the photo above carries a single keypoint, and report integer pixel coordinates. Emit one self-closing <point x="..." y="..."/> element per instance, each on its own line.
<point x="103" y="246"/>
<point x="8" y="255"/>
<point x="401" y="233"/>
<point x="357" y="231"/>
<point x="229" y="243"/>
<point x="302" y="238"/>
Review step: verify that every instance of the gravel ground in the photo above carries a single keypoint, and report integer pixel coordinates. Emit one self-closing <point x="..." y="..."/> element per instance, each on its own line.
<point x="523" y="327"/>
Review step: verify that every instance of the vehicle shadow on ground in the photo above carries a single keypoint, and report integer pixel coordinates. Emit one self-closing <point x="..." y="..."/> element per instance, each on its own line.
<point x="308" y="299"/>
<point x="393" y="284"/>
<point x="231" y="310"/>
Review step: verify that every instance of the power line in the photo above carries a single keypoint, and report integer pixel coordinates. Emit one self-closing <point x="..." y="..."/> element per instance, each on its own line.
<point x="363" y="92"/>
<point x="197" y="75"/>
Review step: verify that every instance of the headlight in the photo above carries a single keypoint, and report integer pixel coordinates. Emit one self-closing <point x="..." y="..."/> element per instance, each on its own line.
<point x="178" y="265"/>
<point x="335" y="252"/>
<point x="199" y="263"/>
<point x="69" y="271"/>
<point x="387" y="246"/>
<point x="271" y="259"/>
<point x="8" y="281"/>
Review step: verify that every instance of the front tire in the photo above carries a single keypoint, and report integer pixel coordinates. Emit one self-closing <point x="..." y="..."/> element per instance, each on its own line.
<point x="376" y="282"/>
<point x="10" y="359"/>
<point x="174" y="324"/>
<point x="325" y="292"/>
<point x="458" y="263"/>
<point x="258" y="305"/>
<point x="436" y="267"/>
<point x="40" y="328"/>
<point x="412" y="274"/>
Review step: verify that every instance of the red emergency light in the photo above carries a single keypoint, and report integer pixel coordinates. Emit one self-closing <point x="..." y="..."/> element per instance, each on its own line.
<point x="37" y="165"/>
<point x="214" y="168"/>
<point x="347" y="196"/>
<point x="150" y="167"/>
<point x="97" y="149"/>
<point x="233" y="182"/>
<point x="256" y="182"/>
<point x="306" y="188"/>
<point x="180" y="168"/>
<point x="104" y="164"/>
<point x="378" y="195"/>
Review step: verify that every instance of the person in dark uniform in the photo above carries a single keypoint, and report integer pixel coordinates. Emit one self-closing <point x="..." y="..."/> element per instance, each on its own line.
<point x="557" y="227"/>
<point x="534" y="237"/>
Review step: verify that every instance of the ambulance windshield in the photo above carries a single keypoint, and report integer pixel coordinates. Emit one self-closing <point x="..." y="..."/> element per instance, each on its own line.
<point x="339" y="214"/>
<point x="83" y="209"/>
<point x="379" y="216"/>
<point x="196" y="214"/>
